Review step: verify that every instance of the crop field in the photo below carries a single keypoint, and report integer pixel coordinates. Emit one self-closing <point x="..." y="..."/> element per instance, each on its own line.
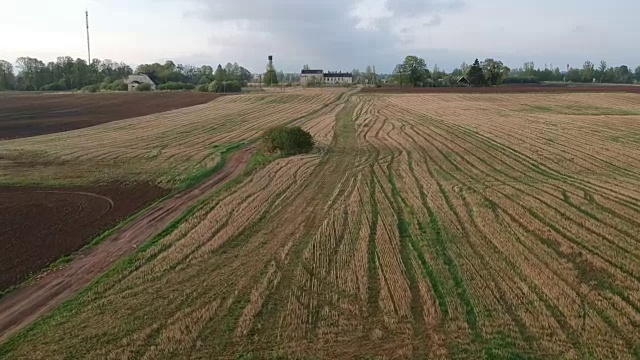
<point x="437" y="226"/>
<point x="26" y="114"/>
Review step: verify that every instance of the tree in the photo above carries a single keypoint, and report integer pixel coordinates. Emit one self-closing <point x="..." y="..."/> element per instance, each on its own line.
<point x="399" y="75"/>
<point x="637" y="73"/>
<point x="588" y="71"/>
<point x="7" y="78"/>
<point x="412" y="71"/>
<point x="475" y="75"/>
<point x="288" y="140"/>
<point x="306" y="67"/>
<point x="602" y="69"/>
<point x="622" y="74"/>
<point x="494" y="71"/>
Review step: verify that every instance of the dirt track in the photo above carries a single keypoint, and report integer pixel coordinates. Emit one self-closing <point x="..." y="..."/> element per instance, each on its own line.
<point x="39" y="225"/>
<point x="20" y="308"/>
<point x="26" y="114"/>
<point x="507" y="89"/>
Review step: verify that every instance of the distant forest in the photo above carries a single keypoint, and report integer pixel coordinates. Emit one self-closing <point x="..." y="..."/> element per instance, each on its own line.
<point x="31" y="74"/>
<point x="68" y="74"/>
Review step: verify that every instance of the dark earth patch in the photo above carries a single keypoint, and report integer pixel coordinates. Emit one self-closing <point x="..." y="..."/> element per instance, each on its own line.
<point x="31" y="114"/>
<point x="41" y="224"/>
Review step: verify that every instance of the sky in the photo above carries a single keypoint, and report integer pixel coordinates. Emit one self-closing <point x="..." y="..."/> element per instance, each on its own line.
<point x="326" y="34"/>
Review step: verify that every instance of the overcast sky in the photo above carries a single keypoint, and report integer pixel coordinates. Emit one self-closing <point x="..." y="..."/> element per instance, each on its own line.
<point x="326" y="34"/>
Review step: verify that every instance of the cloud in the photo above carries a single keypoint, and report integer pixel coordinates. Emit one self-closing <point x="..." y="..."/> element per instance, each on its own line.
<point x="329" y="34"/>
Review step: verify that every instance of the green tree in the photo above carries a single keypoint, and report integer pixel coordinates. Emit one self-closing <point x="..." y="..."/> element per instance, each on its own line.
<point x="495" y="72"/>
<point x="288" y="140"/>
<point x="588" y="71"/>
<point x="7" y="77"/>
<point x="637" y="73"/>
<point x="602" y="69"/>
<point x="414" y="70"/>
<point x="475" y="75"/>
<point x="622" y="74"/>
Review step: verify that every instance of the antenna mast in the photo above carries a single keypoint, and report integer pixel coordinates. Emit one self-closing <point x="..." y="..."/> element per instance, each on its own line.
<point x="88" y="44"/>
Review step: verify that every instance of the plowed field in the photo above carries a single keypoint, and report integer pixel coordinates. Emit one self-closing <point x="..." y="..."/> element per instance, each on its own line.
<point x="24" y="114"/>
<point x="39" y="225"/>
<point x="465" y="226"/>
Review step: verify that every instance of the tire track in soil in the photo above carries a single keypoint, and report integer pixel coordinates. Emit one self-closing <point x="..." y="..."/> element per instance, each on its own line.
<point x="20" y="308"/>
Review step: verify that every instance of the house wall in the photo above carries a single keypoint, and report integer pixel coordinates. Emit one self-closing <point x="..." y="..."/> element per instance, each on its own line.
<point x="338" y="80"/>
<point x="305" y="78"/>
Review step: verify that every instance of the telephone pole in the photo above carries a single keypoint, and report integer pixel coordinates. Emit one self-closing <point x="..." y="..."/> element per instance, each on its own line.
<point x="88" y="43"/>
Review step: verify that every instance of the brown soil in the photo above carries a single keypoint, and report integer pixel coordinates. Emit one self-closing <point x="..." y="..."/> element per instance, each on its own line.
<point x="27" y="114"/>
<point x="39" y="225"/>
<point x="512" y="88"/>
<point x="19" y="308"/>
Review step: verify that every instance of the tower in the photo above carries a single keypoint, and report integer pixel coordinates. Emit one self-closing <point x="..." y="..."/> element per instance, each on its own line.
<point x="88" y="44"/>
<point x="270" y="77"/>
<point x="270" y="64"/>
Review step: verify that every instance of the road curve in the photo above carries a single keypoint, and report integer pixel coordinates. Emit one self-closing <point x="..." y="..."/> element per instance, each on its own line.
<point x="23" y="306"/>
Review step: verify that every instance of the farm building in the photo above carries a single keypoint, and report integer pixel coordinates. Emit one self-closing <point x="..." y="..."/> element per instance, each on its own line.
<point x="329" y="77"/>
<point x="134" y="80"/>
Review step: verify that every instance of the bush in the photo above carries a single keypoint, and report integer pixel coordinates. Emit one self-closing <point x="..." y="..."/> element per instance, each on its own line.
<point x="171" y="85"/>
<point x="118" y="85"/>
<point x="53" y="87"/>
<point x="202" y="88"/>
<point x="288" y="140"/>
<point x="144" y="87"/>
<point x="225" y="87"/>
<point x="91" y="88"/>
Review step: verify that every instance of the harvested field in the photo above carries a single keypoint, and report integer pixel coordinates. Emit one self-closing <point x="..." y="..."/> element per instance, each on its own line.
<point x="24" y="114"/>
<point x="169" y="148"/>
<point x="42" y="224"/>
<point x="493" y="226"/>
<point x="507" y="89"/>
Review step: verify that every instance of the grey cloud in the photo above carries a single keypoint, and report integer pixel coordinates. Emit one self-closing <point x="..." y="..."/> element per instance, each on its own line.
<point x="319" y="33"/>
<point x="416" y="8"/>
<point x="434" y="21"/>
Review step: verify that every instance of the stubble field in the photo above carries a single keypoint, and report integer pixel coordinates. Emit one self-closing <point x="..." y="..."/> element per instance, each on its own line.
<point x="437" y="226"/>
<point x="82" y="182"/>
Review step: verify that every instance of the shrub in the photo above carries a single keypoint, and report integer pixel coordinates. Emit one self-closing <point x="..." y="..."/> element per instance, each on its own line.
<point x="91" y="88"/>
<point x="53" y="87"/>
<point x="225" y="87"/>
<point x="144" y="87"/>
<point x="202" y="88"/>
<point x="172" y="85"/>
<point x="287" y="140"/>
<point x="118" y="85"/>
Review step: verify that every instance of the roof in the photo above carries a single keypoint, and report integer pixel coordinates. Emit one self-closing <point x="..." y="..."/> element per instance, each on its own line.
<point x="463" y="78"/>
<point x="311" y="72"/>
<point x="337" y="74"/>
<point x="140" y="79"/>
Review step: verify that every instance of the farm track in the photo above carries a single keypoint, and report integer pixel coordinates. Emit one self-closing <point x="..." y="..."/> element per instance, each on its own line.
<point x="427" y="226"/>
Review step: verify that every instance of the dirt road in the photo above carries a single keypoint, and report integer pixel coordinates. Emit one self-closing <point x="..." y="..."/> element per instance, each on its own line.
<point x="20" y="308"/>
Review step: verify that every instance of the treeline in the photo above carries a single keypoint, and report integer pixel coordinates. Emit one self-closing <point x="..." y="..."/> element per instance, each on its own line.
<point x="414" y="72"/>
<point x="31" y="74"/>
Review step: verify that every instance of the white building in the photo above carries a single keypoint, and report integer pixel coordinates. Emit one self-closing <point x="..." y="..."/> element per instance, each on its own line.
<point x="338" y="77"/>
<point x="307" y="76"/>
<point x="318" y="76"/>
